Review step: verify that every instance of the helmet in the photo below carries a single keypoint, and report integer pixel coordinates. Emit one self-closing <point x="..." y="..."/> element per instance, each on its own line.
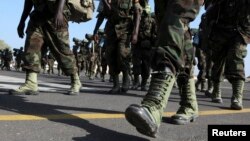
<point x="89" y="36"/>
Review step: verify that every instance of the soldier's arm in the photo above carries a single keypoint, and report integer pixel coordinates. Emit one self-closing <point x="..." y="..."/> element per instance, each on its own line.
<point x="137" y="18"/>
<point x="26" y="11"/>
<point x="59" y="18"/>
<point x="106" y="4"/>
<point x="99" y="22"/>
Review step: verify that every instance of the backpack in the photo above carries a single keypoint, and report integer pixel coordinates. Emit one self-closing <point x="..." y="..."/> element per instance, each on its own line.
<point x="80" y="10"/>
<point x="77" y="10"/>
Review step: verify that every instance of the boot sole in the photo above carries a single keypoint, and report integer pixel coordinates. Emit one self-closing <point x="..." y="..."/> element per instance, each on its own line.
<point x="217" y="100"/>
<point x="13" y="92"/>
<point x="143" y="125"/>
<point x="236" y="107"/>
<point x="74" y="93"/>
<point x="184" y="121"/>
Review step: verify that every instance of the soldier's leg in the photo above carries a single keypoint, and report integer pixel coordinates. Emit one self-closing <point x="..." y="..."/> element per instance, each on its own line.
<point x="188" y="110"/>
<point x="201" y="78"/>
<point x="123" y="62"/>
<point x="235" y="72"/>
<point x="218" y="56"/>
<point x="167" y="60"/>
<point x="52" y="67"/>
<point x="203" y="71"/>
<point x="136" y="60"/>
<point x="58" y="42"/>
<point x="216" y="94"/>
<point x="198" y="55"/>
<point x="146" y="66"/>
<point x="209" y="66"/>
<point x="32" y="63"/>
<point x="104" y="69"/>
<point x="111" y="55"/>
<point x="147" y="117"/>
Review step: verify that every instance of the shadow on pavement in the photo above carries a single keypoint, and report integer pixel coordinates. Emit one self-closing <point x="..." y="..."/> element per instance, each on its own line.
<point x="19" y="104"/>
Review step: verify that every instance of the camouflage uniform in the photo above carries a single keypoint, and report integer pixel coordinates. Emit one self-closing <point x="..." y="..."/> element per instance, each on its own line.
<point x="228" y="39"/>
<point x="119" y="28"/>
<point x="51" y="61"/>
<point x="42" y="30"/>
<point x="79" y="56"/>
<point x="103" y="13"/>
<point x="204" y="31"/>
<point x="7" y="58"/>
<point x="91" y="56"/>
<point x="19" y="57"/>
<point x="201" y="58"/>
<point x="142" y="51"/>
<point x="174" y="56"/>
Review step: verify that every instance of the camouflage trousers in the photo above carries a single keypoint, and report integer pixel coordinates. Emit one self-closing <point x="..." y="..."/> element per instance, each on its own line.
<point x="175" y="49"/>
<point x="141" y="59"/>
<point x="118" y="53"/>
<point x="228" y="53"/>
<point x="57" y="40"/>
<point x="209" y="64"/>
<point x="201" y="57"/>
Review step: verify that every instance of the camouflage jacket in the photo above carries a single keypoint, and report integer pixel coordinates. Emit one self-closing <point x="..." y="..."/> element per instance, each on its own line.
<point x="231" y="15"/>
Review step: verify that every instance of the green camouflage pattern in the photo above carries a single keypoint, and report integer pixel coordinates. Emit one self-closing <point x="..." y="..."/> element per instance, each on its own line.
<point x="142" y="51"/>
<point x="201" y="58"/>
<point x="228" y="53"/>
<point x="173" y="17"/>
<point x="176" y="52"/>
<point x="227" y="40"/>
<point x="119" y="28"/>
<point x="44" y="32"/>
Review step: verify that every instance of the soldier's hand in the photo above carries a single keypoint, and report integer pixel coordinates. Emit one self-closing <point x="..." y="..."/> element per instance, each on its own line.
<point x="59" y="20"/>
<point x="20" y="30"/>
<point x="134" y="39"/>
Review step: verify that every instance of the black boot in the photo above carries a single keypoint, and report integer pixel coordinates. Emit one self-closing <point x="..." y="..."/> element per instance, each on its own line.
<point x="116" y="85"/>
<point x="136" y="84"/>
<point x="143" y="84"/>
<point x="210" y="87"/>
<point x="125" y="82"/>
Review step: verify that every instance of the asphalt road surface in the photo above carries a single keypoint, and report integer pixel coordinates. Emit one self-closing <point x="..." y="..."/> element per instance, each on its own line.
<point x="95" y="115"/>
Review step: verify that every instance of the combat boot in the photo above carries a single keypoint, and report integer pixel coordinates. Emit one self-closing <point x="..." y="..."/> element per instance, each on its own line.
<point x="216" y="94"/>
<point x="210" y="88"/>
<point x="197" y="85"/>
<point x="188" y="110"/>
<point x="116" y="85"/>
<point x="147" y="117"/>
<point x="125" y="81"/>
<point x="30" y="87"/>
<point x="136" y="84"/>
<point x="203" y="86"/>
<point x="103" y="77"/>
<point x="110" y="78"/>
<point x="143" y="84"/>
<point x="236" y="100"/>
<point x="75" y="85"/>
<point x="91" y="75"/>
